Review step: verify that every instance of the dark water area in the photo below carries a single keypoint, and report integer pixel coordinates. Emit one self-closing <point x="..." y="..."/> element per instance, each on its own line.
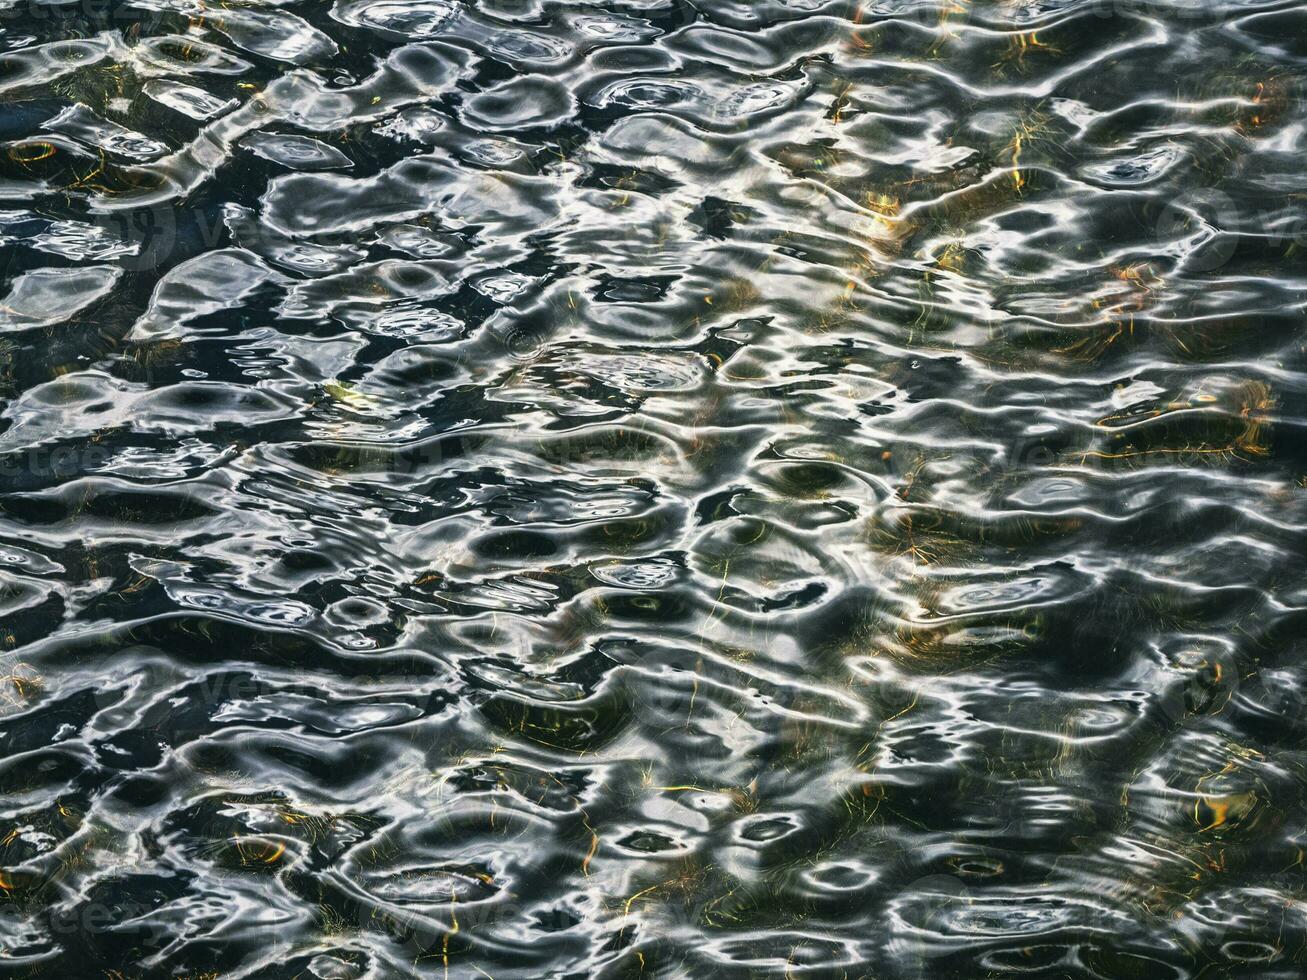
<point x="653" y="488"/>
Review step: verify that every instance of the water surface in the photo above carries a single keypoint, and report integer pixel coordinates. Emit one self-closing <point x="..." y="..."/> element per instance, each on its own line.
<point x="651" y="488"/>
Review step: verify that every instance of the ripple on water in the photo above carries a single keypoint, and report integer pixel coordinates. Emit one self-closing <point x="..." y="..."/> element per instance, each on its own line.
<point x="783" y="487"/>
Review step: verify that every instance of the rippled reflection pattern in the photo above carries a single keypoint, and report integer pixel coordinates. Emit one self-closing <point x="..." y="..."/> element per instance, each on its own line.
<point x="670" y="488"/>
